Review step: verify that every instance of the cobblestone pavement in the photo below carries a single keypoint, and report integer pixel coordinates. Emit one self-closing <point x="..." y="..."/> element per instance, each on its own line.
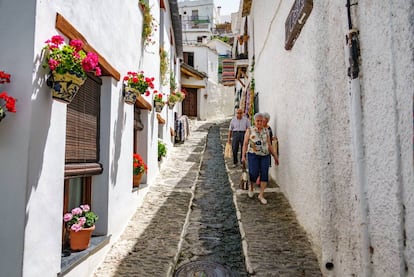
<point x="192" y="210"/>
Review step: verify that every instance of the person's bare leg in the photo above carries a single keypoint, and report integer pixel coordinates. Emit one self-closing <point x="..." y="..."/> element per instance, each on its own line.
<point x="251" y="188"/>
<point x="263" y="186"/>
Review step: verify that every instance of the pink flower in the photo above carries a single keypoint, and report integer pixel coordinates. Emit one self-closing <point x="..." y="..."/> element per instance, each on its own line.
<point x="147" y="93"/>
<point x="67" y="217"/>
<point x="98" y="71"/>
<point x="55" y="41"/>
<point x="85" y="208"/>
<point x="82" y="220"/>
<point x="76" y="227"/>
<point x="53" y="64"/>
<point x="90" y="62"/>
<point x="77" y="211"/>
<point x="77" y="44"/>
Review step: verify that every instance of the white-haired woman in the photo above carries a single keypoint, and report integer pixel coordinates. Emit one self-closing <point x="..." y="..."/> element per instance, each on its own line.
<point x="257" y="146"/>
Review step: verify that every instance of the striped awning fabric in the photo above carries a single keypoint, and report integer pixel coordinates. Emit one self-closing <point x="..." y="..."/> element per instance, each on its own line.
<point x="228" y="72"/>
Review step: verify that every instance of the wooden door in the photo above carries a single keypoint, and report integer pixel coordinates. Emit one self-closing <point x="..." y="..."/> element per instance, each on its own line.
<point x="190" y="102"/>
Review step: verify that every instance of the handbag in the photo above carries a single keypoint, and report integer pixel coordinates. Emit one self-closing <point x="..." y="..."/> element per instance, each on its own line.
<point x="227" y="151"/>
<point x="244" y="178"/>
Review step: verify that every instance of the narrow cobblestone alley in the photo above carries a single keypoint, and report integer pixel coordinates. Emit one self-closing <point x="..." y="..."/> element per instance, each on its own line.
<point x="193" y="213"/>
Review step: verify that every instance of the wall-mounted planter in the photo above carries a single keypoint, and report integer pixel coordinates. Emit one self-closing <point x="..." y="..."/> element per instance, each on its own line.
<point x="65" y="86"/>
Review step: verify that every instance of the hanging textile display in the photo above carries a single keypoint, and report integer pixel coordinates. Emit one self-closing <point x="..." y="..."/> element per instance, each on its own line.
<point x="243" y="100"/>
<point x="228" y="77"/>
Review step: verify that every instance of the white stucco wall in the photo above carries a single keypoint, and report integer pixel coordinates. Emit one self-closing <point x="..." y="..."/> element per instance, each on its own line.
<point x="306" y="91"/>
<point x="31" y="195"/>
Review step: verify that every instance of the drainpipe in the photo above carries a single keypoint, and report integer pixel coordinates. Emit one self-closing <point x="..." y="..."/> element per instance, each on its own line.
<point x="352" y="55"/>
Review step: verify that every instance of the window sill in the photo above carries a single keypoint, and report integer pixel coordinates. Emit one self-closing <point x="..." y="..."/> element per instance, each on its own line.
<point x="71" y="259"/>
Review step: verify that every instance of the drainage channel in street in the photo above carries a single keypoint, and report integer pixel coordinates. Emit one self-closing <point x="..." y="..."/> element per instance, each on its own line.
<point x="212" y="243"/>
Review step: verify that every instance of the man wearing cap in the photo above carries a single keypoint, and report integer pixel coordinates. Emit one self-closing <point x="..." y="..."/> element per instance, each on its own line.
<point x="238" y="126"/>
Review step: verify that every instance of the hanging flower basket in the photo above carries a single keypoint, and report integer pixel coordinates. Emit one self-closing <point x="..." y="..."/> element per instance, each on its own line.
<point x="7" y="103"/>
<point x="130" y="95"/>
<point x="171" y="105"/>
<point x="2" y="113"/>
<point x="65" y="86"/>
<point x="159" y="106"/>
<point x="68" y="65"/>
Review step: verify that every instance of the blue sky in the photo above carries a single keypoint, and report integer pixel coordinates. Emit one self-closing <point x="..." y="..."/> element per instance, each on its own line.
<point x="227" y="6"/>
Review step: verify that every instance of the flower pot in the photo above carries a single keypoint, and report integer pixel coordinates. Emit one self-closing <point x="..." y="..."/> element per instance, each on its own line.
<point x="2" y="113"/>
<point x="80" y="240"/>
<point x="158" y="106"/>
<point x="171" y="105"/>
<point x="65" y="86"/>
<point x="130" y="95"/>
<point x="137" y="179"/>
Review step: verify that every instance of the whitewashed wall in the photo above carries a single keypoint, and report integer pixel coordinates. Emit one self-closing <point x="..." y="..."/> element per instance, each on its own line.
<point x="31" y="194"/>
<point x="306" y="91"/>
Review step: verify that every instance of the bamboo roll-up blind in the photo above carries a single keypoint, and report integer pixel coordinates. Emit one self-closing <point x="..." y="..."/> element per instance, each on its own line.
<point x="82" y="125"/>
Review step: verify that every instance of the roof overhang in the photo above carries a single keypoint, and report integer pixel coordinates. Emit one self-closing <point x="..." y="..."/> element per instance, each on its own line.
<point x="192" y="72"/>
<point x="142" y="103"/>
<point x="176" y="24"/>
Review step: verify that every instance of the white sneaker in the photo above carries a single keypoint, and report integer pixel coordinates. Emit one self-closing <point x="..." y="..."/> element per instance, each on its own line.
<point x="250" y="193"/>
<point x="262" y="200"/>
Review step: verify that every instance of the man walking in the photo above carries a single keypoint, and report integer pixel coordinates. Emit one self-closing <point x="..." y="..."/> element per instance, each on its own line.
<point x="238" y="126"/>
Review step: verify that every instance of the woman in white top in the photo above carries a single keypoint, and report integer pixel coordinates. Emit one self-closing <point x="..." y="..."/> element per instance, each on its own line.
<point x="257" y="146"/>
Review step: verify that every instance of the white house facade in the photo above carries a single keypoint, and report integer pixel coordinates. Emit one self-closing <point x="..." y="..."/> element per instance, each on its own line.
<point x="38" y="184"/>
<point x="345" y="126"/>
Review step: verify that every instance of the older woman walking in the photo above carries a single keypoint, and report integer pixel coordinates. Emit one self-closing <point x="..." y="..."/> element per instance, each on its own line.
<point x="257" y="146"/>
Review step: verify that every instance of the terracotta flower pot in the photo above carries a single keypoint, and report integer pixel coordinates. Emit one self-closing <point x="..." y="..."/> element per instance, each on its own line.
<point x="80" y="240"/>
<point x="137" y="179"/>
<point x="65" y="86"/>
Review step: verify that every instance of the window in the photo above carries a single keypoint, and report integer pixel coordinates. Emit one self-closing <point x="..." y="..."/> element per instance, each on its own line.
<point x="82" y="146"/>
<point x="189" y="58"/>
<point x="77" y="191"/>
<point x="194" y="14"/>
<point x="82" y="131"/>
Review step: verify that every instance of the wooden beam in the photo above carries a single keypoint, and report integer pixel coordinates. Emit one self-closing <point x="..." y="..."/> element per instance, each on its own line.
<point x="68" y="30"/>
<point x="192" y="86"/>
<point x="160" y="119"/>
<point x="141" y="103"/>
<point x="189" y="73"/>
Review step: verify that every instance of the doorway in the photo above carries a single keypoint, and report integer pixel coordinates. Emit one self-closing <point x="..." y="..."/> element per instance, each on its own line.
<point x="190" y="102"/>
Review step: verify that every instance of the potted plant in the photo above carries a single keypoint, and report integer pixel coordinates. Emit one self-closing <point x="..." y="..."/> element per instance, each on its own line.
<point x="162" y="150"/>
<point x="81" y="223"/>
<point x="158" y="101"/>
<point x="172" y="99"/>
<point x="149" y="24"/>
<point x="135" y="84"/>
<point x="9" y="103"/>
<point x="173" y="84"/>
<point x="139" y="168"/>
<point x="181" y="94"/>
<point x="68" y="65"/>
<point x="163" y="65"/>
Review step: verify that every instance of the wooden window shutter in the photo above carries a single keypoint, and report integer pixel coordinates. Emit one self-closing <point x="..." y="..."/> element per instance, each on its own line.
<point x="82" y="124"/>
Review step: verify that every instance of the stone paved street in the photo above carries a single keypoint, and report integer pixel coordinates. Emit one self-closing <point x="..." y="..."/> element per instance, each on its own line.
<point x="191" y="214"/>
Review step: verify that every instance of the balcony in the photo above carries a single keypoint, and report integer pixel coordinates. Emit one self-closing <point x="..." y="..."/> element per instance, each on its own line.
<point x="196" y="23"/>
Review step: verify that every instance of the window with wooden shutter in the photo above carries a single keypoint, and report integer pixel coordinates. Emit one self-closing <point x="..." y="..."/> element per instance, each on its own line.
<point x="82" y="130"/>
